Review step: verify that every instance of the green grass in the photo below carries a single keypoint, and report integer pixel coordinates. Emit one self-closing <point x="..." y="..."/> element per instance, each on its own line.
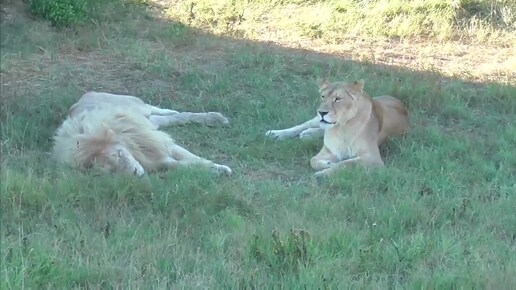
<point x="439" y="216"/>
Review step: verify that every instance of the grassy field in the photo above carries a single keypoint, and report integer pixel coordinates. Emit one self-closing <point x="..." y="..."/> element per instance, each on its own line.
<point x="337" y="20"/>
<point x="440" y="215"/>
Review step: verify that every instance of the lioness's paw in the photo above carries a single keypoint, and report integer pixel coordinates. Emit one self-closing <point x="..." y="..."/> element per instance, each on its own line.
<point x="223" y="169"/>
<point x="277" y="135"/>
<point x="311" y="133"/>
<point x="216" y="119"/>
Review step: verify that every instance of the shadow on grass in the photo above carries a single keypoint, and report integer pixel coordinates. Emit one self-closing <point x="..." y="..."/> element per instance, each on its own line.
<point x="174" y="65"/>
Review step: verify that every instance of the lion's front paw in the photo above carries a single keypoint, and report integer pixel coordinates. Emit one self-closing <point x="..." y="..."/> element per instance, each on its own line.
<point x="216" y="119"/>
<point x="272" y="134"/>
<point x="320" y="175"/>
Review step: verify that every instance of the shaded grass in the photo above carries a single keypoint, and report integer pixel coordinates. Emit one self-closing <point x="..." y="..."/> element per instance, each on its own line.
<point x="440" y="215"/>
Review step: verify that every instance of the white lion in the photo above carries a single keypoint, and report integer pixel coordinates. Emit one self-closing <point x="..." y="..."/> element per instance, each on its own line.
<point x="120" y="133"/>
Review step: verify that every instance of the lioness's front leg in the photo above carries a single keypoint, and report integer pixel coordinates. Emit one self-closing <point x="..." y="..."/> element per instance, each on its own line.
<point x="311" y="133"/>
<point x="323" y="160"/>
<point x="368" y="160"/>
<point x="181" y="156"/>
<point x="293" y="131"/>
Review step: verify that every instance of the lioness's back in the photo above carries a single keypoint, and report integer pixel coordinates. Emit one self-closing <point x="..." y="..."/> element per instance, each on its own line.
<point x="394" y="117"/>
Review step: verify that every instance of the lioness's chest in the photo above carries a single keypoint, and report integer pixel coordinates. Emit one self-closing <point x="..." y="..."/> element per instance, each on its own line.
<point x="340" y="146"/>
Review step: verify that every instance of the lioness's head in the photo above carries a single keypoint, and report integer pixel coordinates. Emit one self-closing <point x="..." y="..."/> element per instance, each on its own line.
<point x="339" y="102"/>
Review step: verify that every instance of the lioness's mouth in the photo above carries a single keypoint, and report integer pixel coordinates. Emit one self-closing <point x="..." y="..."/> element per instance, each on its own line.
<point x="326" y="122"/>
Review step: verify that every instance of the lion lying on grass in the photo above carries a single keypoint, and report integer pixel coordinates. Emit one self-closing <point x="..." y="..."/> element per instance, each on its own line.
<point x="120" y="133"/>
<point x="353" y="125"/>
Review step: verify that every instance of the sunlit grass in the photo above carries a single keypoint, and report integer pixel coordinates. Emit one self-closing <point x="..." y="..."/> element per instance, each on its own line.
<point x="335" y="21"/>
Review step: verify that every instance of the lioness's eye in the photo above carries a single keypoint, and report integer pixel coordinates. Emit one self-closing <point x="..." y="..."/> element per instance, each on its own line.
<point x="322" y="96"/>
<point x="338" y="99"/>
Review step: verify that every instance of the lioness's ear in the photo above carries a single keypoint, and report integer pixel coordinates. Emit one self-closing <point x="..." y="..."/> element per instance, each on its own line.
<point x="359" y="84"/>
<point x="323" y="82"/>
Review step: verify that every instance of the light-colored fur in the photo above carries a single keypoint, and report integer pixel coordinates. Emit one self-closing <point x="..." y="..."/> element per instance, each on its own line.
<point x="353" y="124"/>
<point x="121" y="133"/>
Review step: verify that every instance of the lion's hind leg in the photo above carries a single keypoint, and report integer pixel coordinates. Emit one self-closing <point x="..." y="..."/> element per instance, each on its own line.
<point x="208" y="119"/>
<point x="159" y="111"/>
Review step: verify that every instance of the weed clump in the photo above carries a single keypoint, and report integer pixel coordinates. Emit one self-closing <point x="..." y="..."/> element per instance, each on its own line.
<point x="65" y="12"/>
<point x="283" y="256"/>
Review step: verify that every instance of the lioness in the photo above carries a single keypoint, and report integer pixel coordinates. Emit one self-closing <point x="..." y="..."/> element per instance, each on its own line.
<point x="120" y="133"/>
<point x="353" y="125"/>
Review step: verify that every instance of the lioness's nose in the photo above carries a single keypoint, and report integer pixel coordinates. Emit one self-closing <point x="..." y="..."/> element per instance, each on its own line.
<point x="322" y="113"/>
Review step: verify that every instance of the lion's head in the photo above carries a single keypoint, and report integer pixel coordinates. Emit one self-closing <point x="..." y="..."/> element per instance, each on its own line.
<point x="116" y="158"/>
<point x="103" y="151"/>
<point x="339" y="102"/>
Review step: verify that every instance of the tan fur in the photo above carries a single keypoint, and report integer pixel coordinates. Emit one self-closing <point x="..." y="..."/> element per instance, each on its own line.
<point x="354" y="125"/>
<point x="101" y="125"/>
